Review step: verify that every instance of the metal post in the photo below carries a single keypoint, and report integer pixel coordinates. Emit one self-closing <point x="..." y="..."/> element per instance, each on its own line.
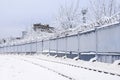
<point x="49" y="46"/>
<point x="96" y="42"/>
<point x="25" y="48"/>
<point x="10" y="48"/>
<point x="57" y="44"/>
<point x="7" y="49"/>
<point x="21" y="48"/>
<point x="42" y="46"/>
<point x="36" y="46"/>
<point x="17" y="48"/>
<point x="79" y="54"/>
<point x="13" y="49"/>
<point x="66" y="44"/>
<point x="3" y="49"/>
<point x="30" y="47"/>
<point x="0" y="49"/>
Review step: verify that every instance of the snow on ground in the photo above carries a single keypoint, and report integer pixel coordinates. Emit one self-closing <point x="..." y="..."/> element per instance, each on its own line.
<point x="93" y="65"/>
<point x="40" y="67"/>
<point x="16" y="69"/>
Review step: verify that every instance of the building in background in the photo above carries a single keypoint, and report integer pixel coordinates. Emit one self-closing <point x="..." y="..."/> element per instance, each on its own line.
<point x="43" y="28"/>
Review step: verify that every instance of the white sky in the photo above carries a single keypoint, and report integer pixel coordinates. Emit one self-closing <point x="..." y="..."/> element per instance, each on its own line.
<point x="18" y="15"/>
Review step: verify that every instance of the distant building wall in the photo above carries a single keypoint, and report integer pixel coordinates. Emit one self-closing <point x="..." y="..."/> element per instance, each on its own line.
<point x="43" y="28"/>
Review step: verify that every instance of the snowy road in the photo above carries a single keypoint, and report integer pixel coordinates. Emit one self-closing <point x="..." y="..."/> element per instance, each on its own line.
<point x="34" y="68"/>
<point x="16" y="69"/>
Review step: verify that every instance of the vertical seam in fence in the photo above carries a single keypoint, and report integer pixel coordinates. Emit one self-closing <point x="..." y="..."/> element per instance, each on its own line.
<point x="57" y="44"/>
<point x="36" y="45"/>
<point x="96" y="42"/>
<point x="66" y="44"/>
<point x="78" y="44"/>
<point x="49" y="46"/>
<point x="42" y="46"/>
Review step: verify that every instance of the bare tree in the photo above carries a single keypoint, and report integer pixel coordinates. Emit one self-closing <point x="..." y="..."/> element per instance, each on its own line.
<point x="69" y="15"/>
<point x="101" y="8"/>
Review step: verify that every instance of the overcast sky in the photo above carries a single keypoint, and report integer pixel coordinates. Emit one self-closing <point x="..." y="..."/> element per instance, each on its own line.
<point x="18" y="15"/>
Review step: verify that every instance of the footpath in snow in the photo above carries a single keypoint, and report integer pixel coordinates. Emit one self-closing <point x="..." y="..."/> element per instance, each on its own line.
<point x="41" y="67"/>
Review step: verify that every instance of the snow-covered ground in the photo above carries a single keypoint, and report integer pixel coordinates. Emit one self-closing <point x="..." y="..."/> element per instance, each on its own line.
<point x="15" y="69"/>
<point x="41" y="67"/>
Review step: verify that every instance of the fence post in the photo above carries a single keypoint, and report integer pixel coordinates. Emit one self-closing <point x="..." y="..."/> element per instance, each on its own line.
<point x="79" y="54"/>
<point x="42" y="46"/>
<point x="57" y="44"/>
<point x="17" y="49"/>
<point x="3" y="49"/>
<point x="30" y="47"/>
<point x="66" y="43"/>
<point x="24" y="48"/>
<point x="36" y="46"/>
<point x="14" y="49"/>
<point x="21" y="48"/>
<point x="0" y="49"/>
<point x="49" y="45"/>
<point x="96" y="42"/>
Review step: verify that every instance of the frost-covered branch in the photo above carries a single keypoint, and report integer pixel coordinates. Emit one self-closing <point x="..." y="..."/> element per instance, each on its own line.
<point x="69" y="16"/>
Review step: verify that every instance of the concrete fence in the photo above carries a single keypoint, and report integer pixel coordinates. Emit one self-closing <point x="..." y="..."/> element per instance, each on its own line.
<point x="102" y="42"/>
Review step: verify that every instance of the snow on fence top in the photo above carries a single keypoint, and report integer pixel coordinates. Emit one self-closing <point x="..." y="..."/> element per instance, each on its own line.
<point x="103" y="22"/>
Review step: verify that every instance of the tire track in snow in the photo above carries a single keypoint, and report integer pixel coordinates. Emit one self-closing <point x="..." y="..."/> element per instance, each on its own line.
<point x="37" y="64"/>
<point x="87" y="68"/>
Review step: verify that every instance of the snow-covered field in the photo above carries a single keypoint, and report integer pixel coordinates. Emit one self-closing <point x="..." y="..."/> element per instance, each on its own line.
<point x="41" y="67"/>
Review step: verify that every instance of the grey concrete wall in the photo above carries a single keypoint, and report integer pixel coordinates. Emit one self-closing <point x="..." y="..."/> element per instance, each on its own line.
<point x="53" y="44"/>
<point x="87" y="42"/>
<point x="109" y="39"/>
<point x="39" y="46"/>
<point x="45" y="45"/>
<point x="62" y="44"/>
<point x="102" y="40"/>
<point x="72" y="43"/>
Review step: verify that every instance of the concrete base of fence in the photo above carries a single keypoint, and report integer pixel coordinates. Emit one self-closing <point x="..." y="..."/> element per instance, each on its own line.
<point x="108" y="58"/>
